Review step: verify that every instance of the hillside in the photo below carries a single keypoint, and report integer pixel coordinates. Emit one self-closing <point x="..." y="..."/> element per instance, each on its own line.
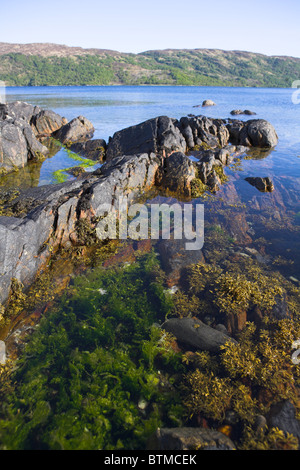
<point x="52" y="64"/>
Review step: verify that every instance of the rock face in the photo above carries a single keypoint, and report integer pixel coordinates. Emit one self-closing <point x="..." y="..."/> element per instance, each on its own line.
<point x="160" y="135"/>
<point x="264" y="185"/>
<point x="27" y="243"/>
<point x="18" y="144"/>
<point x="201" y="129"/>
<point x="252" y="133"/>
<point x="46" y="122"/>
<point x="194" y="333"/>
<point x="20" y="126"/>
<point x="79" y="129"/>
<point x="189" y="439"/>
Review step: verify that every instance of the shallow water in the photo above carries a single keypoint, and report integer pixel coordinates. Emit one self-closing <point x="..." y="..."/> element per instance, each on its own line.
<point x="241" y="223"/>
<point x="113" y="108"/>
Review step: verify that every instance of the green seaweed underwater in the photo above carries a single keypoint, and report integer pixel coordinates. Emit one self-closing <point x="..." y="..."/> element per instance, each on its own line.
<point x="98" y="372"/>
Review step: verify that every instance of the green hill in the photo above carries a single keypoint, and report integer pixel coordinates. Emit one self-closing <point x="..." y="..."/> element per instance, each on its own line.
<point x="50" y="64"/>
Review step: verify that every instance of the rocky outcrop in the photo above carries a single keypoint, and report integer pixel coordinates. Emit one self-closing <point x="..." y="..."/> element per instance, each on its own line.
<point x="252" y="133"/>
<point x="27" y="243"/>
<point x="196" y="334"/>
<point x="189" y="439"/>
<point x="79" y="129"/>
<point x="18" y="144"/>
<point x="137" y="158"/>
<point x="159" y="135"/>
<point x="201" y="129"/>
<point x="21" y="124"/>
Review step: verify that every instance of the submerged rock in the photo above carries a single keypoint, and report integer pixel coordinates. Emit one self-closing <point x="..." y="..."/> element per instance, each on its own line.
<point x="194" y="333"/>
<point x="282" y="415"/>
<point x="92" y="149"/>
<point x="264" y="185"/>
<point x="189" y="439"/>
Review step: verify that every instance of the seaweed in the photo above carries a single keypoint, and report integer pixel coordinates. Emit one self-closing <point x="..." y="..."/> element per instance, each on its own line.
<point x="89" y="378"/>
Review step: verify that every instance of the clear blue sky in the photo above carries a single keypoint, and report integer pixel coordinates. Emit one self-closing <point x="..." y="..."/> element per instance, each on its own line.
<point x="271" y="27"/>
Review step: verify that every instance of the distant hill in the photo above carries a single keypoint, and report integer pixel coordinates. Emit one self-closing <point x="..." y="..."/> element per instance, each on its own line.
<point x="52" y="64"/>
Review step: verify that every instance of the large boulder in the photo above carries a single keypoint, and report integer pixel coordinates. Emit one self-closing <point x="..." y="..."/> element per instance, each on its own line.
<point x="18" y="144"/>
<point x="79" y="129"/>
<point x="189" y="439"/>
<point x="159" y="135"/>
<point x="208" y="103"/>
<point x="252" y="133"/>
<point x="196" y="334"/>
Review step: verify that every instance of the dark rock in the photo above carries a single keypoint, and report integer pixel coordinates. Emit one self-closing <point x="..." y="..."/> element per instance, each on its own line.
<point x="22" y="110"/>
<point x="77" y="130"/>
<point x="264" y="185"/>
<point x="46" y="122"/>
<point x="76" y="171"/>
<point x="92" y="149"/>
<point x="189" y="439"/>
<point x="201" y="129"/>
<point x="237" y="112"/>
<point x="175" y="258"/>
<point x="194" y="333"/>
<point x="176" y="174"/>
<point x="282" y="415"/>
<point x="158" y="135"/>
<point x="18" y="144"/>
<point x="252" y="133"/>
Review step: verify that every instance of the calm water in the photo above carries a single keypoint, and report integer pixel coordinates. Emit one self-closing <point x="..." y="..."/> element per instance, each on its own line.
<point x="113" y="108"/>
<point x="273" y="216"/>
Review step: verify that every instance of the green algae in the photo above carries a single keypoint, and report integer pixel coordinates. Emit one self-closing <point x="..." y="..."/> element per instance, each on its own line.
<point x="90" y="364"/>
<point x="60" y="175"/>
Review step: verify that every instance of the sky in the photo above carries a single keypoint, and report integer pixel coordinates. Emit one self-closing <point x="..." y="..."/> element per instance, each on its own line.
<point x="269" y="27"/>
